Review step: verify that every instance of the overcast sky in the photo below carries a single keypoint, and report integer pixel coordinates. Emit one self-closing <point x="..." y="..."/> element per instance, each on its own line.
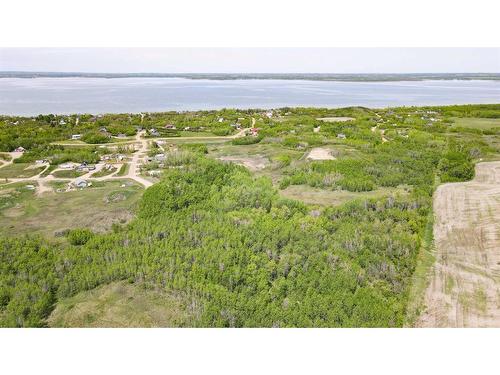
<point x="252" y="60"/>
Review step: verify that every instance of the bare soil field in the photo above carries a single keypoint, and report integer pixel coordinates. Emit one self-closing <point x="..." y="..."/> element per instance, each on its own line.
<point x="464" y="289"/>
<point x="319" y="153"/>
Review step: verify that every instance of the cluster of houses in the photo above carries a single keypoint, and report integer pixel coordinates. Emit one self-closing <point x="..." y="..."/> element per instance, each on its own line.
<point x="155" y="133"/>
<point x="118" y="157"/>
<point x="85" y="167"/>
<point x="82" y="167"/>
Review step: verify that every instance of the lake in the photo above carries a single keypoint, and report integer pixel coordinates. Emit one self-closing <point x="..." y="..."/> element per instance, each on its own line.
<point x="32" y="96"/>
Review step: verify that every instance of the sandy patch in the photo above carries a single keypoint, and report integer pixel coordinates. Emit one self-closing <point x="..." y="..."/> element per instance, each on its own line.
<point x="319" y="153"/>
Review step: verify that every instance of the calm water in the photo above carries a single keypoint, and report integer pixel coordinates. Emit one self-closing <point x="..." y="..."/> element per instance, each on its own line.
<point x="20" y="96"/>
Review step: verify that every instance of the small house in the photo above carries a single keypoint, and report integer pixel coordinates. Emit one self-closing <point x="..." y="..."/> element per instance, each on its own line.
<point x="121" y="135"/>
<point x="80" y="183"/>
<point x="341" y="136"/>
<point x="62" y="122"/>
<point x="68" y="165"/>
<point x="269" y="114"/>
<point x="20" y="149"/>
<point x="170" y="126"/>
<point x="154" y="132"/>
<point x="76" y="137"/>
<point x="316" y="130"/>
<point x="221" y="119"/>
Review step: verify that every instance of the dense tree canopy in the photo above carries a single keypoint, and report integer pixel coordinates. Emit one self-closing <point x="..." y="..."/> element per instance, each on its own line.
<point x="229" y="241"/>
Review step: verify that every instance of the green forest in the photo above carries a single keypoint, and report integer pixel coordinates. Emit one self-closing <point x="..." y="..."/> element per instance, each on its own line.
<point x="224" y="238"/>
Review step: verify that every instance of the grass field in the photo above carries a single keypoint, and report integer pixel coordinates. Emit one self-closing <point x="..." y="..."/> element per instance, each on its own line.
<point x="253" y="157"/>
<point x="123" y="169"/>
<point x="19" y="170"/>
<point x="104" y="172"/>
<point x="420" y="279"/>
<point x="4" y="156"/>
<point x="323" y="197"/>
<point x="96" y="208"/>
<point x="120" y="304"/>
<point x="476" y="123"/>
<point x="70" y="173"/>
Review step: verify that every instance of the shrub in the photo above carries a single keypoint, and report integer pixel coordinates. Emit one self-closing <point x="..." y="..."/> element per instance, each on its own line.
<point x="79" y="236"/>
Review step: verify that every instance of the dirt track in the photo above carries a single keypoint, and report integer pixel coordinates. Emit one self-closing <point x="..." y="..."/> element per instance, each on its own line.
<point x="464" y="289"/>
<point x="133" y="172"/>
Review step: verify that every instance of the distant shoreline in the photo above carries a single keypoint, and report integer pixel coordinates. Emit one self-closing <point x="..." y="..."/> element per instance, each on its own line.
<point x="375" y="77"/>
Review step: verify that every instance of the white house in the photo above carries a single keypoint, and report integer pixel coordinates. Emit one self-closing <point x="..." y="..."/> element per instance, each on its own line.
<point x="68" y="165"/>
<point x="76" y="137"/>
<point x="80" y="183"/>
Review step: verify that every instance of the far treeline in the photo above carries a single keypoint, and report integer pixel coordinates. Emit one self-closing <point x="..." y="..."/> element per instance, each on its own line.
<point x="239" y="253"/>
<point x="369" y="77"/>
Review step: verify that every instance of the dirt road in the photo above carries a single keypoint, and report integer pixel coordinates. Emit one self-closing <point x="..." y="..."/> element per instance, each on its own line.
<point x="133" y="171"/>
<point x="464" y="289"/>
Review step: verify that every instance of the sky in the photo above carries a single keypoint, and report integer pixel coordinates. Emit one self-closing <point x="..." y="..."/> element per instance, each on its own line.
<point x="252" y="60"/>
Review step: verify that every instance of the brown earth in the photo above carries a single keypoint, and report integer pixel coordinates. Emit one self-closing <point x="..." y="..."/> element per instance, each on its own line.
<point x="464" y="289"/>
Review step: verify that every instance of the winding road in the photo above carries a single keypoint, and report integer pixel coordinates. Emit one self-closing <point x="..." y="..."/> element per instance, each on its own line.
<point x="133" y="172"/>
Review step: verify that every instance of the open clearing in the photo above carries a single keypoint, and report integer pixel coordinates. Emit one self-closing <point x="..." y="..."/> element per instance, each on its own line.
<point x="476" y="123"/>
<point x="322" y="197"/>
<point x="96" y="208"/>
<point x="464" y="290"/>
<point x="319" y="153"/>
<point x="255" y="163"/>
<point x="19" y="170"/>
<point x="120" y="304"/>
